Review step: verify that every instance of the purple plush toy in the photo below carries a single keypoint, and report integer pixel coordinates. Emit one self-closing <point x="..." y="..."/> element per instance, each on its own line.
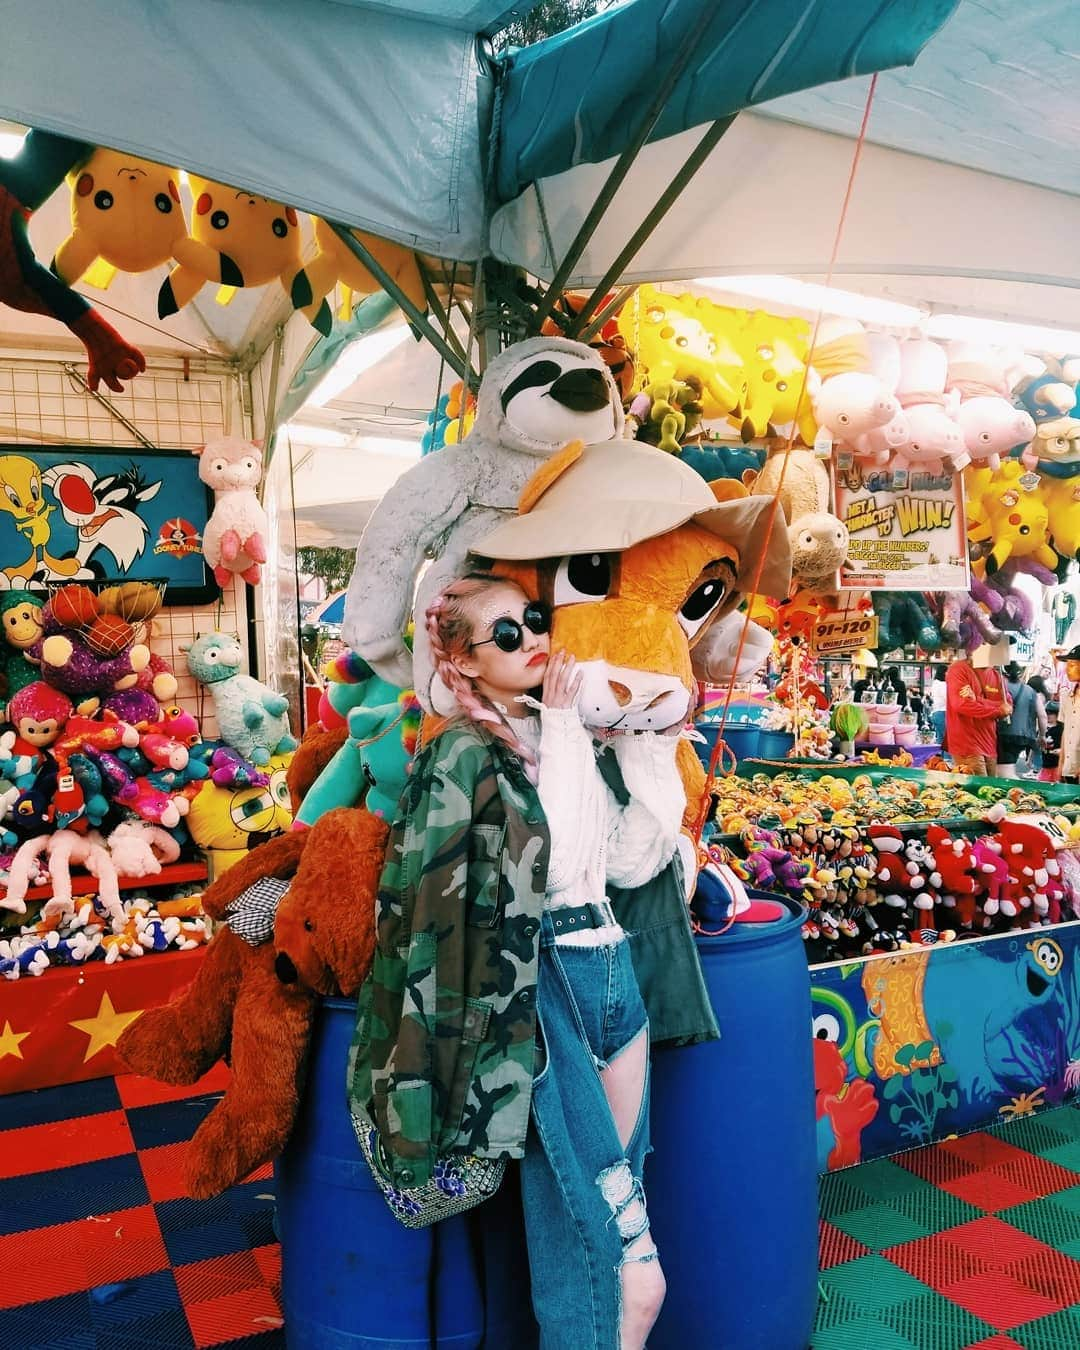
<point x="68" y="664"/>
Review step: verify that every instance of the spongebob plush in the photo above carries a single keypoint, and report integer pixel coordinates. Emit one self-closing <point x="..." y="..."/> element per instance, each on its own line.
<point x="676" y="336"/>
<point x="228" y="822"/>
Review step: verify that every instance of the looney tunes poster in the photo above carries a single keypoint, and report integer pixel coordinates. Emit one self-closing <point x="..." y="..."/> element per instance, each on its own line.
<point x="80" y="513"/>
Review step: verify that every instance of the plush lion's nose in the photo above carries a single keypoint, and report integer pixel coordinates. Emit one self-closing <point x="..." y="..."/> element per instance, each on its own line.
<point x="622" y="694"/>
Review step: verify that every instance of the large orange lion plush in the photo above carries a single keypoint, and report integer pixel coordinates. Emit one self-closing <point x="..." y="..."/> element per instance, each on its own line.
<point x="257" y="1001"/>
<point x="644" y="565"/>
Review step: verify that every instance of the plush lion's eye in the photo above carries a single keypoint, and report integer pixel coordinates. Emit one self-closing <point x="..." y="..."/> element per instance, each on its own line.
<point x="700" y="604"/>
<point x="582" y="577"/>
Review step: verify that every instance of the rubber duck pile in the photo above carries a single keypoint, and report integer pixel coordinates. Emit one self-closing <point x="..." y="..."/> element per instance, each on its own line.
<point x="790" y="796"/>
<point x="876" y="889"/>
<point x="99" y="768"/>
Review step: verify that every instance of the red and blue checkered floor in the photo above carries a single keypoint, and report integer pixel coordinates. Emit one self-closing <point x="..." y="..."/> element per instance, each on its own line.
<point x="100" y="1250"/>
<point x="973" y="1244"/>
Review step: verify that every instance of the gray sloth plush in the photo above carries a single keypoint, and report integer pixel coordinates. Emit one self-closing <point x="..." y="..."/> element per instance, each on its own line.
<point x="534" y="398"/>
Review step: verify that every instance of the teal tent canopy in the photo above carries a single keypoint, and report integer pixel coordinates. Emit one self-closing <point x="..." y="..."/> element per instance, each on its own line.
<point x="576" y="98"/>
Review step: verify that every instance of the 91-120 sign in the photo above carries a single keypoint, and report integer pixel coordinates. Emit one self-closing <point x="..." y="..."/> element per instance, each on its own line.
<point x="844" y="633"/>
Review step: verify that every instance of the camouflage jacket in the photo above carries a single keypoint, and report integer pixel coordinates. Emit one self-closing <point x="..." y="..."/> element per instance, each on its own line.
<point x="445" y="1044"/>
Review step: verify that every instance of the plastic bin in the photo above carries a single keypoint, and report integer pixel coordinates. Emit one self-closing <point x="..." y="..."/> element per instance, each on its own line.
<point x="775" y="744"/>
<point x="732" y="1184"/>
<point x="742" y="738"/>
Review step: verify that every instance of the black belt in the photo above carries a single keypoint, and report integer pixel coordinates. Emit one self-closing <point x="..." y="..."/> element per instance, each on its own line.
<point x="566" y="920"/>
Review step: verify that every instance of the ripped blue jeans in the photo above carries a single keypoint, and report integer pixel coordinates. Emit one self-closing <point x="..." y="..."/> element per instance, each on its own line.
<point x="581" y="1190"/>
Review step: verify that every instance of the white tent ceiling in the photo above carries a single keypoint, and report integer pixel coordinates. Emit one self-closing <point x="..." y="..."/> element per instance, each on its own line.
<point x="768" y="201"/>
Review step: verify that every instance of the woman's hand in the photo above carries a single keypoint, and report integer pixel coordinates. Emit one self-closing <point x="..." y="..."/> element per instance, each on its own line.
<point x="562" y="681"/>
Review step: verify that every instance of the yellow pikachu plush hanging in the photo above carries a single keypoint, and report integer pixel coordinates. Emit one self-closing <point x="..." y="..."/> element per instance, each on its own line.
<point x="334" y="263"/>
<point x="126" y="216"/>
<point x="237" y="239"/>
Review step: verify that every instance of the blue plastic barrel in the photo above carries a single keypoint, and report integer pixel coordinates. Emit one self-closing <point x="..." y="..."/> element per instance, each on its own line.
<point x="732" y="1185"/>
<point x="741" y="737"/>
<point x="352" y="1278"/>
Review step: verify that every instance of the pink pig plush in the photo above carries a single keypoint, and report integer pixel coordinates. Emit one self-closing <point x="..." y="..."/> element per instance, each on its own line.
<point x="852" y="381"/>
<point x="235" y="536"/>
<point x="935" y="438"/>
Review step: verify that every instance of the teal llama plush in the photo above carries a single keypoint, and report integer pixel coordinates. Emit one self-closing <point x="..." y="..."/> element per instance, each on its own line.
<point x="372" y="765"/>
<point x="251" y="716"/>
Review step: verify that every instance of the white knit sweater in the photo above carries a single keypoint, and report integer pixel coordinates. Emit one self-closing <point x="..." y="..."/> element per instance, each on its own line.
<point x="594" y="840"/>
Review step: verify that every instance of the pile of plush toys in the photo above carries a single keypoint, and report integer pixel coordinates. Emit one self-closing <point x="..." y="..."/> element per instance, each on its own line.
<point x="883" y="889"/>
<point x="138" y="220"/>
<point x="100" y="768"/>
<point x="882" y="408"/>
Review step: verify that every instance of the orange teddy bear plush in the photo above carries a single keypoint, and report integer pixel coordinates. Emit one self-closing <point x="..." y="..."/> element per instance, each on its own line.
<point x="256" y="1000"/>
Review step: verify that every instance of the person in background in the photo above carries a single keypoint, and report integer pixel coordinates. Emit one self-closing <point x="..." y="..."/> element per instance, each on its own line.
<point x="974" y="701"/>
<point x="893" y="689"/>
<point x="1070" y="718"/>
<point x="1018" y="735"/>
<point x="937" y="703"/>
<point x="1042" y="698"/>
<point x="1051" y="760"/>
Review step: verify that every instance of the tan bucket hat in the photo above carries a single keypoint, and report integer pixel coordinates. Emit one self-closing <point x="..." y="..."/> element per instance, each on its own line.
<point x="619" y="493"/>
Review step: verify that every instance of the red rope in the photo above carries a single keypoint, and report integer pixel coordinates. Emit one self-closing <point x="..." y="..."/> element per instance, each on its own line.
<point x="720" y="745"/>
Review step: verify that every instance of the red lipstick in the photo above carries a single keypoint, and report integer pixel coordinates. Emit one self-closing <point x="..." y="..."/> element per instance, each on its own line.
<point x="536" y="660"/>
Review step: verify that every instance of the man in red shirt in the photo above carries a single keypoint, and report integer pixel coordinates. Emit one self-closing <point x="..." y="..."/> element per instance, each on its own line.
<point x="974" y="701"/>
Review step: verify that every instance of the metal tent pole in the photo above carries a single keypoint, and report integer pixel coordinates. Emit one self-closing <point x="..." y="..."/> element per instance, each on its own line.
<point x="614" y="304"/>
<point x="664" y="204"/>
<point x="416" y="316"/>
<point x="622" y="164"/>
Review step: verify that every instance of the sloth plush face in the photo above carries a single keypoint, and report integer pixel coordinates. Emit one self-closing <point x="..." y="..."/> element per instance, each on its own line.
<point x="540" y="394"/>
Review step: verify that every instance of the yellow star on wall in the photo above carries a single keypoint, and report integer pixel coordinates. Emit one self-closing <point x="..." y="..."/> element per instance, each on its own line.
<point x="9" y="1041"/>
<point x="105" y="1028"/>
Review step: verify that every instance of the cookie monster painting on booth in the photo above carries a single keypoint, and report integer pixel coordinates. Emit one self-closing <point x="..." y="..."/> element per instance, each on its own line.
<point x="81" y="513"/>
<point x="948" y="1039"/>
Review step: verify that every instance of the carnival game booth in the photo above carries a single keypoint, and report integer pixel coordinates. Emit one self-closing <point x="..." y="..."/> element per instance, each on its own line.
<point x="431" y="207"/>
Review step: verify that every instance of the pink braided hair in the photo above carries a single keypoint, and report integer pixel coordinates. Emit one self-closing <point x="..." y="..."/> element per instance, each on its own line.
<point x="449" y="628"/>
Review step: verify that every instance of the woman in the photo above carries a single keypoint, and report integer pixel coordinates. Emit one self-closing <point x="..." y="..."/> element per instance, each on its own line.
<point x="1070" y="717"/>
<point x="937" y="703"/>
<point x="495" y="888"/>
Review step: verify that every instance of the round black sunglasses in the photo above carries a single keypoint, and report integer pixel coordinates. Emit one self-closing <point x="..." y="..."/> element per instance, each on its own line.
<point x="508" y="634"/>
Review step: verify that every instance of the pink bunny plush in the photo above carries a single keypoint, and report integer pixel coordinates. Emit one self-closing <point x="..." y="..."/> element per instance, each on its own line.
<point x="235" y="536"/>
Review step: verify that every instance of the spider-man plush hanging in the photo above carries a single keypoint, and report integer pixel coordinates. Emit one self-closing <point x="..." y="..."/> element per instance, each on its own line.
<point x="25" y="182"/>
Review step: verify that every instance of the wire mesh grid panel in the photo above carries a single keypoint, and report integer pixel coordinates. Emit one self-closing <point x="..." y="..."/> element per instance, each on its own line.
<point x="41" y="402"/>
<point x="173" y="404"/>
